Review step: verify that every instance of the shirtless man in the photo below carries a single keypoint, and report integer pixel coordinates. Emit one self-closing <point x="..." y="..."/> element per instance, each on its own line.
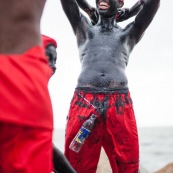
<point x="26" y="120"/>
<point x="102" y="87"/>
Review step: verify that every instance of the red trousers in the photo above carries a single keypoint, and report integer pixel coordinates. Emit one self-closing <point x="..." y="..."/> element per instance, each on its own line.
<point x="26" y="119"/>
<point x="24" y="95"/>
<point x="115" y="130"/>
<point x="25" y="149"/>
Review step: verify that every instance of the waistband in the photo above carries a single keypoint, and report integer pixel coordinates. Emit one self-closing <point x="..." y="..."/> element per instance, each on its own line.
<point x="102" y="90"/>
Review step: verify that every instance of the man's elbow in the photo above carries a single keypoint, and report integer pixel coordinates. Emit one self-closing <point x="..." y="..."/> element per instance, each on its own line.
<point x="151" y="2"/>
<point x="157" y="2"/>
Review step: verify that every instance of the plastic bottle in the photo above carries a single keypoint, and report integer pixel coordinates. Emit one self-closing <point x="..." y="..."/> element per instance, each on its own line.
<point x="82" y="134"/>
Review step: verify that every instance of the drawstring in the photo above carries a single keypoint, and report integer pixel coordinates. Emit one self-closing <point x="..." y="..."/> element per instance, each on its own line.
<point x="96" y="108"/>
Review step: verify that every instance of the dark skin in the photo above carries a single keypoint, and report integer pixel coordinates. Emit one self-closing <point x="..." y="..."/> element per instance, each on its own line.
<point x="61" y="164"/>
<point x="52" y="57"/>
<point x="18" y="17"/>
<point x="105" y="47"/>
<point x="122" y="13"/>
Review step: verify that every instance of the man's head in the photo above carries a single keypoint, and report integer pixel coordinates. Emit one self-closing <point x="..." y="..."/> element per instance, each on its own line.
<point x="108" y="8"/>
<point x="50" y="46"/>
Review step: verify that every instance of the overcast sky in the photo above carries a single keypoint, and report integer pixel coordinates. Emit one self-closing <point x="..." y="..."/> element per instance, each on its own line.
<point x="150" y="68"/>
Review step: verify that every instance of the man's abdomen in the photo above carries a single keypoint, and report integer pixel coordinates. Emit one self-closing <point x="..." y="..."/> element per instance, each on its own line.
<point x="108" y="77"/>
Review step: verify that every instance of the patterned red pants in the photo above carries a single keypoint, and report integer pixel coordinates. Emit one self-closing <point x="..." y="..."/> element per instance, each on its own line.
<point x="115" y="130"/>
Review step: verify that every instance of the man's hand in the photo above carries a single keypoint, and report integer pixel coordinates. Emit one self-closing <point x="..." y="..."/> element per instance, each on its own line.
<point x="93" y="16"/>
<point x="126" y="13"/>
<point x="123" y="14"/>
<point x="91" y="11"/>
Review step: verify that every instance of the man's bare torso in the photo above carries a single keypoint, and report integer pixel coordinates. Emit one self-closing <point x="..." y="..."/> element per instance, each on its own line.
<point x="104" y="56"/>
<point x="105" y="48"/>
<point x="20" y="25"/>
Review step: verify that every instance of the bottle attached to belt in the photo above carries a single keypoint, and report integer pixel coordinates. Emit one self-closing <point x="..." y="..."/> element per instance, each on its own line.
<point x="83" y="134"/>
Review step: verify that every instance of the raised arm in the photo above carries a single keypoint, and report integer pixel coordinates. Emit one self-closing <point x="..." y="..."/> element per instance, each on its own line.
<point x="126" y="13"/>
<point x="144" y="17"/>
<point x="123" y="13"/>
<point x="72" y="12"/>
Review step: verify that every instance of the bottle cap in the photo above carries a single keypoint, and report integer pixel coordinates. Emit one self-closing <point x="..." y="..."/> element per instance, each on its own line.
<point x="93" y="116"/>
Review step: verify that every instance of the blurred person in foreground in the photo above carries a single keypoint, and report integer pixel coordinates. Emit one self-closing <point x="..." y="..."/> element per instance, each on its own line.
<point x="102" y="87"/>
<point x="61" y="164"/>
<point x="26" y="119"/>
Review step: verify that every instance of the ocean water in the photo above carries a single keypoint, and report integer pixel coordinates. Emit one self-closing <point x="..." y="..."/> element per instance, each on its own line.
<point x="156" y="146"/>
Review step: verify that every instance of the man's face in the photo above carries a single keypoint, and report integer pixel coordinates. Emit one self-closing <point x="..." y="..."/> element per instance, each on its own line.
<point x="52" y="57"/>
<point x="107" y="8"/>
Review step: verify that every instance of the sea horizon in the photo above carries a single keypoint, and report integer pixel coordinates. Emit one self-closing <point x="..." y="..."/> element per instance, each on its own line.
<point x="156" y="145"/>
